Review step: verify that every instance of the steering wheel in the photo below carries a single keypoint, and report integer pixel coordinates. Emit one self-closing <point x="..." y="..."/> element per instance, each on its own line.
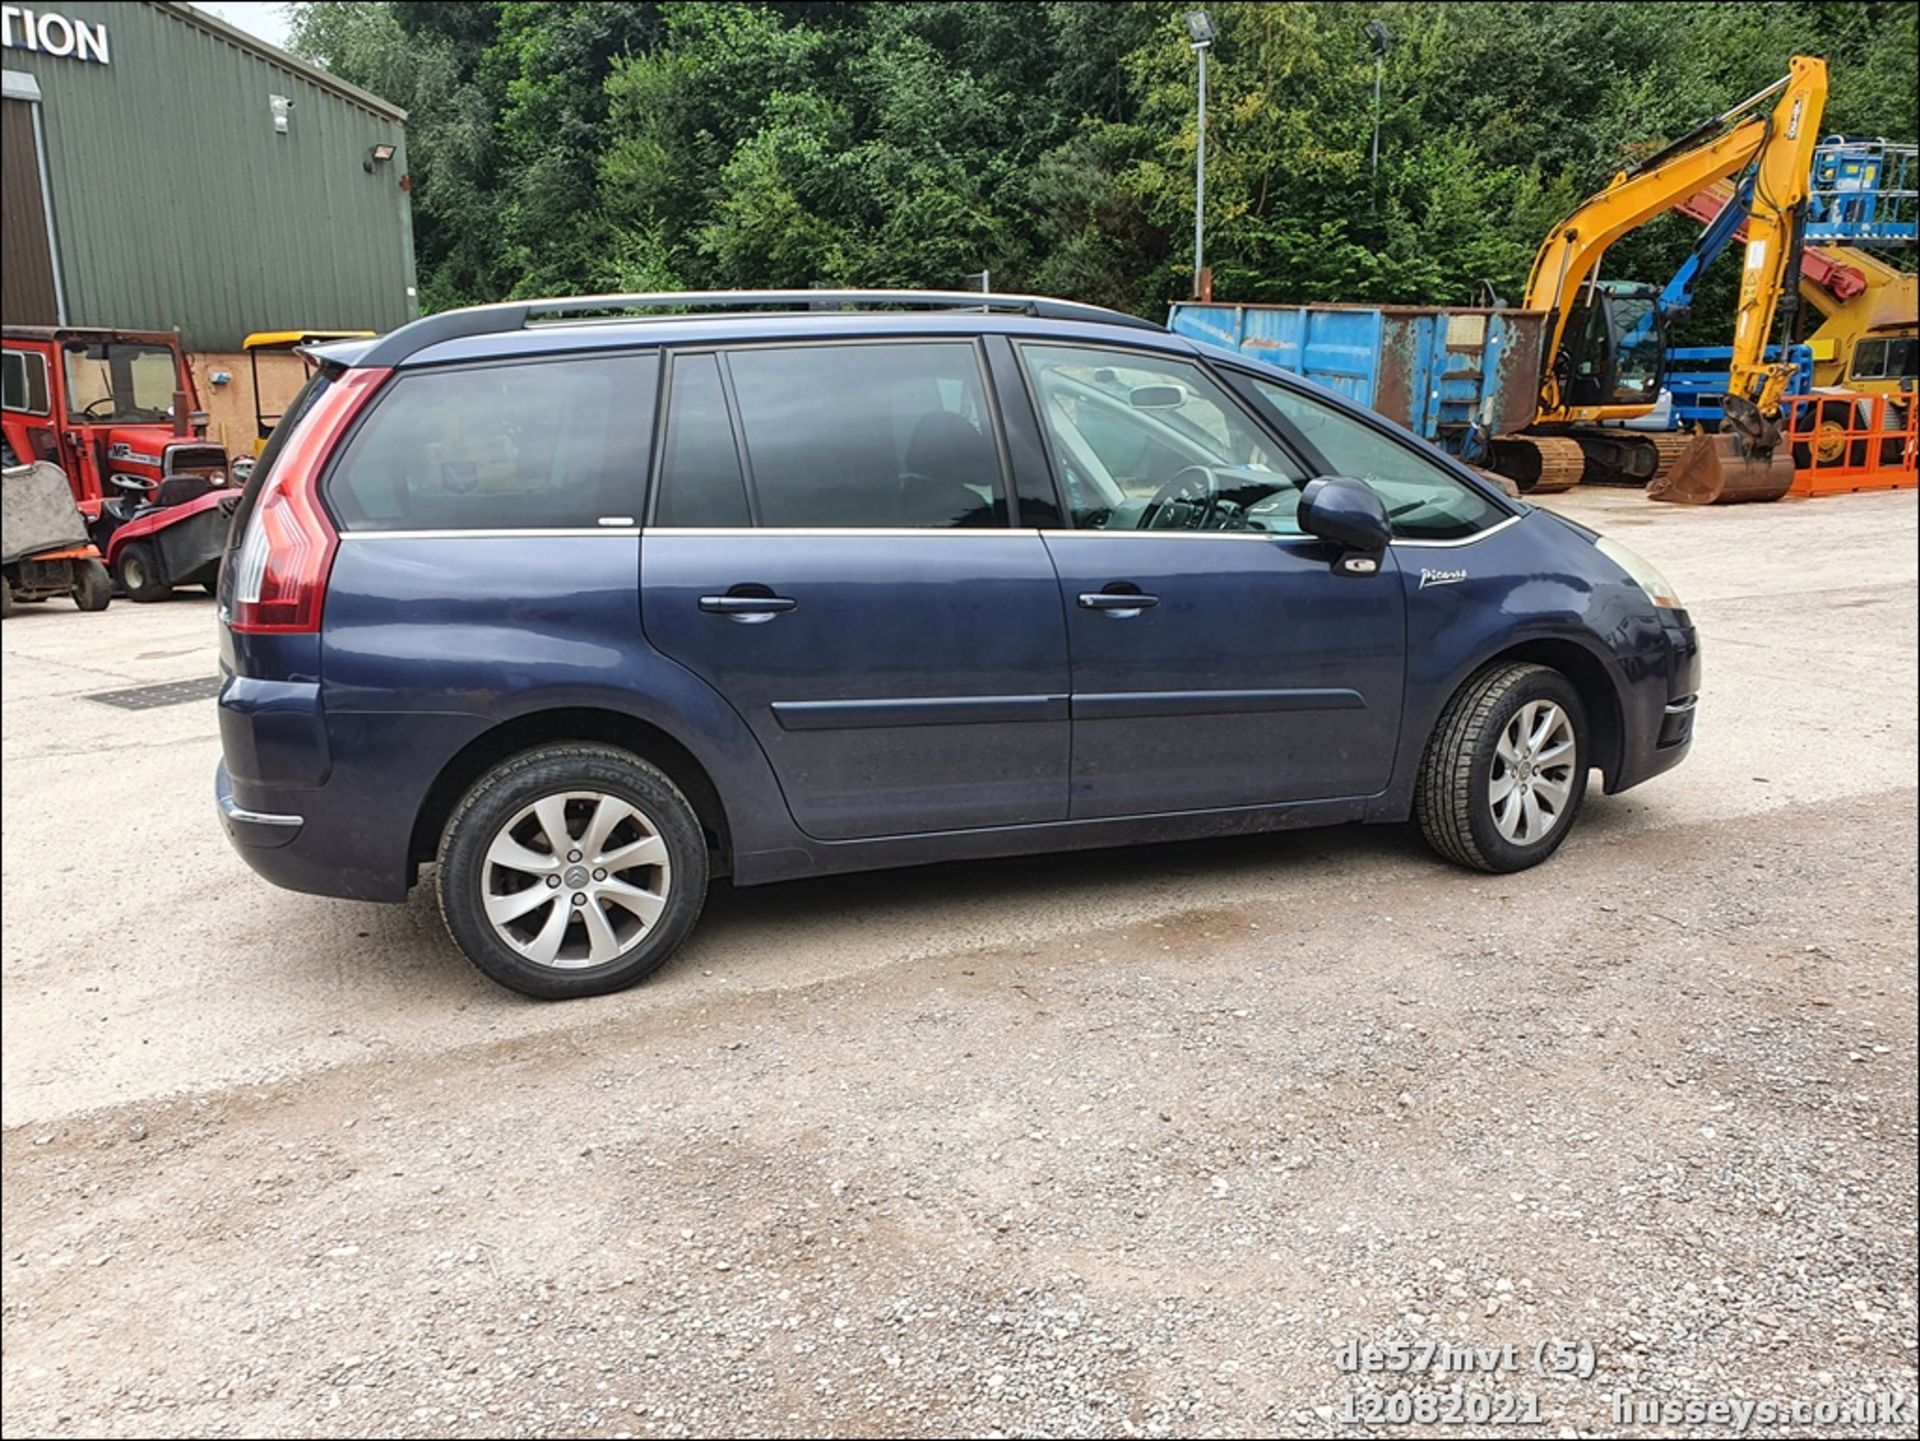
<point x="93" y="405"/>
<point x="136" y="484"/>
<point x="1194" y="486"/>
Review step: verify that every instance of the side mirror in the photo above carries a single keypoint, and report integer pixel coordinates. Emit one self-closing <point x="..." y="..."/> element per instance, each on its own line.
<point x="1348" y="514"/>
<point x="1157" y="397"/>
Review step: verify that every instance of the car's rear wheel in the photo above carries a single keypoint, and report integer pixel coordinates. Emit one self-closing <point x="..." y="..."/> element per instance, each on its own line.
<point x="572" y="870"/>
<point x="139" y="572"/>
<point x="1505" y="770"/>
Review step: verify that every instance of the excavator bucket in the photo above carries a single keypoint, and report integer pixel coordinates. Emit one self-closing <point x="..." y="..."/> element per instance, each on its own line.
<point x="1723" y="469"/>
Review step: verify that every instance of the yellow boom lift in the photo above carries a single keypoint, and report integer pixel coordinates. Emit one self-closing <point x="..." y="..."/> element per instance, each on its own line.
<point x="1604" y="349"/>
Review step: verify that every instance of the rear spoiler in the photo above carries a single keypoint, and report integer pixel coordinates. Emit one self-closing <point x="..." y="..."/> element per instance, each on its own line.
<point x="336" y="354"/>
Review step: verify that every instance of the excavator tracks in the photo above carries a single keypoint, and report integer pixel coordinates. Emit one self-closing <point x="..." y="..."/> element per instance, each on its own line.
<point x="1539" y="464"/>
<point x="1671" y="448"/>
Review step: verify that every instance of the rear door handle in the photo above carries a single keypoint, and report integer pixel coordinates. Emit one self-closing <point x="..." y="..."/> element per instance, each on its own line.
<point x="747" y="609"/>
<point x="1130" y="602"/>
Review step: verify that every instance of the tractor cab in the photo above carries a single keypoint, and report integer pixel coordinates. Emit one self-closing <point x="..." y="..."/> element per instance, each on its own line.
<point x="115" y="409"/>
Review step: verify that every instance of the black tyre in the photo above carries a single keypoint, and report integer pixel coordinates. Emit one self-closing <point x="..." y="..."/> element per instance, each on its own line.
<point x="138" y="570"/>
<point x="6" y="598"/>
<point x="92" y="586"/>
<point x="572" y="870"/>
<point x="1505" y="769"/>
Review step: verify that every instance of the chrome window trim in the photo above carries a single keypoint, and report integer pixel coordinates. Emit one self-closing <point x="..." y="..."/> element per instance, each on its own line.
<point x="991" y="532"/>
<point x="496" y="533"/>
<point x="1275" y="537"/>
<point x="1478" y="535"/>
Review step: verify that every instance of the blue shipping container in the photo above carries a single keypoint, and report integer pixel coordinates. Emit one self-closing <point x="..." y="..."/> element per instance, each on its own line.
<point x="1435" y="370"/>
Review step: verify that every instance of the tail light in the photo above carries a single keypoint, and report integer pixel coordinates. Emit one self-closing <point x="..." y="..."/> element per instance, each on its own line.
<point x="282" y="566"/>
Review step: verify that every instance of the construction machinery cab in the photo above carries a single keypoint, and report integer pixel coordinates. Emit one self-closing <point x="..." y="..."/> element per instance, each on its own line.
<point x="282" y="342"/>
<point x="1615" y="347"/>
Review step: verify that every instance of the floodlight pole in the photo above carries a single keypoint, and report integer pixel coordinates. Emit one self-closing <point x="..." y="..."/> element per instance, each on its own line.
<point x="1200" y="175"/>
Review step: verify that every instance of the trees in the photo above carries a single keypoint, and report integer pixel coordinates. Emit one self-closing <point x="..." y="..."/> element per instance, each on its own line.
<point x="578" y="146"/>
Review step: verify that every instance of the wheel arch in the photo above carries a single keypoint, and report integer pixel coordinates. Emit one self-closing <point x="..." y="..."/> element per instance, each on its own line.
<point x="1589" y="676"/>
<point x="572" y="723"/>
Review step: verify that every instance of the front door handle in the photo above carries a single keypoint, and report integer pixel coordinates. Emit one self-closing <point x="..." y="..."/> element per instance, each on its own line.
<point x="749" y="607"/>
<point x="1121" y="599"/>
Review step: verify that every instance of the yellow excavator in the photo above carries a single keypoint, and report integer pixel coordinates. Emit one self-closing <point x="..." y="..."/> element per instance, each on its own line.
<point x="1603" y="353"/>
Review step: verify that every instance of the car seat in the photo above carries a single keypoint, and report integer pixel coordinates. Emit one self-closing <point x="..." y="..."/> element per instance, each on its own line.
<point x="946" y="457"/>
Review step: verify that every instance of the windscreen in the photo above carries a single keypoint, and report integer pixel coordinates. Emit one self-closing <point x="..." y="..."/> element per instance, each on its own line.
<point x="1638" y="361"/>
<point x="116" y="381"/>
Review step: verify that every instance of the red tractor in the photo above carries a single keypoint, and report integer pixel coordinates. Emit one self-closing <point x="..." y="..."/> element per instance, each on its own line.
<point x="117" y="411"/>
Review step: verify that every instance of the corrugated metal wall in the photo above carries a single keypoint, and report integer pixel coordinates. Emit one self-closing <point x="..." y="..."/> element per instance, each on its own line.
<point x="177" y="204"/>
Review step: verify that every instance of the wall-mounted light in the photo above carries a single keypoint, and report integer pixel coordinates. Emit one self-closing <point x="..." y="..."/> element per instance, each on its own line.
<point x="378" y="155"/>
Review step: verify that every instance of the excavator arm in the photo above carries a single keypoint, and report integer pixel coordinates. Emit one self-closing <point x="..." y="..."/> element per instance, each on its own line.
<point x="1779" y="147"/>
<point x="1771" y="277"/>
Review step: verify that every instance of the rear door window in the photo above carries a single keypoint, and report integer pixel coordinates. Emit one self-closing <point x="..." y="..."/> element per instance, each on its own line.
<point x="533" y="445"/>
<point x="701" y="484"/>
<point x="869" y="435"/>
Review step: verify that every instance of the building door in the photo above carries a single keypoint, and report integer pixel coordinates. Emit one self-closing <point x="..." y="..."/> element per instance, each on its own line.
<point x="26" y="280"/>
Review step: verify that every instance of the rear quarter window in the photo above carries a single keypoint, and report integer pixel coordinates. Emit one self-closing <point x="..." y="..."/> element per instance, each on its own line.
<point x="532" y="445"/>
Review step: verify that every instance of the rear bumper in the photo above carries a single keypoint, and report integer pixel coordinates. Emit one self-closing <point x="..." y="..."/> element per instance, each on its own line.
<point x="306" y="824"/>
<point x="293" y="847"/>
<point x="251" y="830"/>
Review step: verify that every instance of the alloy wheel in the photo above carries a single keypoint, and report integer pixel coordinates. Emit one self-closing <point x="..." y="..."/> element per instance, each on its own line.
<point x="1531" y="782"/>
<point x="576" y="879"/>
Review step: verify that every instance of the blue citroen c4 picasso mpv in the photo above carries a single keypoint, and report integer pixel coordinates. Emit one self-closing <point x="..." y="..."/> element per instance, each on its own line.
<point x="584" y="602"/>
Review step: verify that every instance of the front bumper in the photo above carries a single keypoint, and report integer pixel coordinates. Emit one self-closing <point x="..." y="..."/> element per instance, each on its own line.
<point x="1659" y="739"/>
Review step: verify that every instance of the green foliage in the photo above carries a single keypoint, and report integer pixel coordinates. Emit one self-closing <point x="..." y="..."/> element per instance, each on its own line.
<point x="578" y="146"/>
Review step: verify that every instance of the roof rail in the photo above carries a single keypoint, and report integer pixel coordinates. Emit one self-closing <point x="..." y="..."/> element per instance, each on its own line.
<point x="410" y="339"/>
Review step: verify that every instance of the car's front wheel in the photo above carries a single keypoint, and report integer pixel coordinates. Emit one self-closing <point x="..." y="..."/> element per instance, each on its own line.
<point x="572" y="870"/>
<point x="1505" y="770"/>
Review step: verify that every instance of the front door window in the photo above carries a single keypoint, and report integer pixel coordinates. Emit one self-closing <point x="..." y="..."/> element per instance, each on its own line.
<point x="1150" y="442"/>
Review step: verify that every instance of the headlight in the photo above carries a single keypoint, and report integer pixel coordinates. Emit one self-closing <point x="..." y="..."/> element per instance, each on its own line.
<point x="1658" y="588"/>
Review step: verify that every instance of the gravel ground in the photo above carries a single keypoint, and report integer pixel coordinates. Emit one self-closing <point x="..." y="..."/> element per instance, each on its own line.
<point x="1102" y="1144"/>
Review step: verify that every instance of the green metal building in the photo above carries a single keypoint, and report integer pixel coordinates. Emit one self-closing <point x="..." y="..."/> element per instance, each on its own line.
<point x="164" y="170"/>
